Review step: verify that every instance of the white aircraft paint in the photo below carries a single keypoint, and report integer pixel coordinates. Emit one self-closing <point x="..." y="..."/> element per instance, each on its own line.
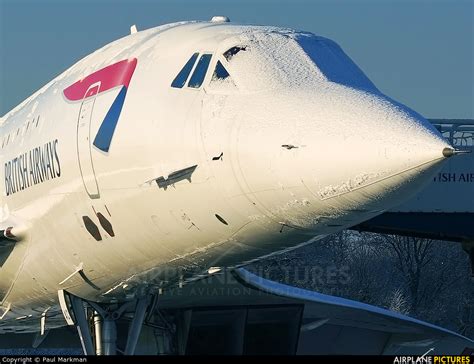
<point x="197" y="178"/>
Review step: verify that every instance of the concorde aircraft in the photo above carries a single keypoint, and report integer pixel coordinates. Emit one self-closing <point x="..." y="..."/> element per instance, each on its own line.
<point x="174" y="152"/>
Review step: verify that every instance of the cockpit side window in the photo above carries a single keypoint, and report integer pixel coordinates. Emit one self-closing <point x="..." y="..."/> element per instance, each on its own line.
<point x="200" y="71"/>
<point x="232" y="52"/>
<point x="182" y="76"/>
<point x="220" y="73"/>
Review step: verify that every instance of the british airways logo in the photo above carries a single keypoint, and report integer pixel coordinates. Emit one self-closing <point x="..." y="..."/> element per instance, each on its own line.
<point x="33" y="167"/>
<point x="115" y="75"/>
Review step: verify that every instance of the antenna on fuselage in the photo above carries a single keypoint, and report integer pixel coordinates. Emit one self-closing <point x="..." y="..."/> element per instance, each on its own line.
<point x="133" y="29"/>
<point x="220" y="19"/>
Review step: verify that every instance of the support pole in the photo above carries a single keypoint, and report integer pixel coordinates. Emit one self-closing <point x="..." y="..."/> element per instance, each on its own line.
<point x="471" y="258"/>
<point x="99" y="349"/>
<point x="109" y="332"/>
<point x="468" y="247"/>
<point x="184" y="323"/>
<point x="104" y="322"/>
<point x="81" y="325"/>
<point x="136" y="325"/>
<point x="39" y="338"/>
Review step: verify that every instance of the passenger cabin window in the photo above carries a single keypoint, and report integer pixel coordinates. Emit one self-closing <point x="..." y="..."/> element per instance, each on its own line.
<point x="182" y="76"/>
<point x="200" y="71"/>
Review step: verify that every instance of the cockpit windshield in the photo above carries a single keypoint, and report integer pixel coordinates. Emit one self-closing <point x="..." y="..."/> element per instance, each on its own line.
<point x="266" y="61"/>
<point x="334" y="63"/>
<point x="269" y="60"/>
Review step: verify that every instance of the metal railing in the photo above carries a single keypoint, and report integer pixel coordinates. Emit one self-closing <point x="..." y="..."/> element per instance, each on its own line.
<point x="459" y="132"/>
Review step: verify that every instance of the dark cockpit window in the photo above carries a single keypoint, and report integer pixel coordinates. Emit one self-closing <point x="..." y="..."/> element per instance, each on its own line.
<point x="220" y="73"/>
<point x="182" y="76"/>
<point x="334" y="63"/>
<point x="200" y="71"/>
<point x="232" y="52"/>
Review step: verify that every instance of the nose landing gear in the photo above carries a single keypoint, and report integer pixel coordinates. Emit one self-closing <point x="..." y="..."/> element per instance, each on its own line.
<point x="102" y="339"/>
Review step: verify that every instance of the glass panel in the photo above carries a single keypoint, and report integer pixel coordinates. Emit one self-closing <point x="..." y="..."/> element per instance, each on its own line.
<point x="200" y="72"/>
<point x="220" y="73"/>
<point x="232" y="52"/>
<point x="182" y="76"/>
<point x="334" y="63"/>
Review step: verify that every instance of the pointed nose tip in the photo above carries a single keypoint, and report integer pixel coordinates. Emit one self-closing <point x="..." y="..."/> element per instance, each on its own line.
<point x="448" y="152"/>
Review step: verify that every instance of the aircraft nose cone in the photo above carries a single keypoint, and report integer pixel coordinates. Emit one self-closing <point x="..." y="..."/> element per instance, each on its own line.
<point x="338" y="155"/>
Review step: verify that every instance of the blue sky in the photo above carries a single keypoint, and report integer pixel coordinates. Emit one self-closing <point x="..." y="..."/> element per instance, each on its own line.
<point x="420" y="52"/>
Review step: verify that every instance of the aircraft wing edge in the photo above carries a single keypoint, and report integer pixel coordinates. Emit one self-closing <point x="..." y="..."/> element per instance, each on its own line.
<point x="352" y="307"/>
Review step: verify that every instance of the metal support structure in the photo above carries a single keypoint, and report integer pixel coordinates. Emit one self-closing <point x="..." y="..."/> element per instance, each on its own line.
<point x="82" y="325"/>
<point x="39" y="338"/>
<point x="99" y="350"/>
<point x="135" y="327"/>
<point x="109" y="335"/>
<point x="471" y="258"/>
<point x="184" y="323"/>
<point x="468" y="247"/>
<point x="104" y="322"/>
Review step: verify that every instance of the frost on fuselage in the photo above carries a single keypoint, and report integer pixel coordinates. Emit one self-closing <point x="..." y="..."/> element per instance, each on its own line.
<point x="267" y="61"/>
